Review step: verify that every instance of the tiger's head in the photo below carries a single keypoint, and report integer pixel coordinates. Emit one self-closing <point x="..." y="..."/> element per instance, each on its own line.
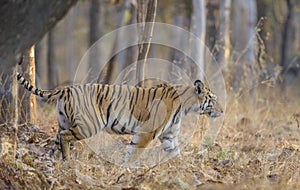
<point x="207" y="101"/>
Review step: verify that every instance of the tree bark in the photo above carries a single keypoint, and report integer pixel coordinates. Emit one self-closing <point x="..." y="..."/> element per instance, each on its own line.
<point x="198" y="29"/>
<point x="15" y="112"/>
<point x="289" y="68"/>
<point x="51" y="65"/>
<point x="182" y="18"/>
<point x="107" y="74"/>
<point x="23" y="23"/>
<point x="27" y="101"/>
<point x="95" y="24"/>
<point x="131" y="53"/>
<point x="94" y="20"/>
<point x="212" y="8"/>
<point x="71" y="55"/>
<point x="224" y="34"/>
<point x="244" y="44"/>
<point x="145" y="35"/>
<point x="38" y="56"/>
<point x="32" y="106"/>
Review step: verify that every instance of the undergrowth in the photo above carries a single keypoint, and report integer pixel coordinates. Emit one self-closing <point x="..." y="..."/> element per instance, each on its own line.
<point x="256" y="148"/>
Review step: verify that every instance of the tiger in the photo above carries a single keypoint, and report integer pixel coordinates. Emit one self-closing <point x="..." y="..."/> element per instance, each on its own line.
<point x="146" y="113"/>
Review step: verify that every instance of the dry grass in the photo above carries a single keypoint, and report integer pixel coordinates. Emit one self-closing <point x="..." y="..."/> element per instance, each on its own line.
<point x="257" y="148"/>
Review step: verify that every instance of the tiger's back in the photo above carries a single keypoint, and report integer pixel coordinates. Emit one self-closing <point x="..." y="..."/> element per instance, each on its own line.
<point x="117" y="109"/>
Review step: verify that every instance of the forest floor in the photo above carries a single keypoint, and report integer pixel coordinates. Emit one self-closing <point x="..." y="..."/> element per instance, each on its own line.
<point x="258" y="147"/>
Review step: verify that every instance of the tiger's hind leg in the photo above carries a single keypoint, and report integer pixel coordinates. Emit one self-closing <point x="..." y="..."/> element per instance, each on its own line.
<point x="138" y="143"/>
<point x="169" y="139"/>
<point x="170" y="143"/>
<point x="65" y="138"/>
<point x="170" y="147"/>
<point x="68" y="133"/>
<point x="55" y="153"/>
<point x="143" y="137"/>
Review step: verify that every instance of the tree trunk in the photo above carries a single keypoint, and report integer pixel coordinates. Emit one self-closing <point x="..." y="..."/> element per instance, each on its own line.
<point x="115" y="60"/>
<point x="15" y="112"/>
<point x="51" y="65"/>
<point x="71" y="55"/>
<point x="95" y="24"/>
<point x="95" y="14"/>
<point x="289" y="66"/>
<point x="145" y="35"/>
<point x="212" y="8"/>
<point x="38" y="55"/>
<point x="182" y="18"/>
<point x="131" y="53"/>
<point x="27" y="100"/>
<point x="32" y="72"/>
<point x="198" y="29"/>
<point x="21" y="27"/>
<point x="224" y="34"/>
<point x="108" y="73"/>
<point x="21" y="20"/>
<point x="244" y="44"/>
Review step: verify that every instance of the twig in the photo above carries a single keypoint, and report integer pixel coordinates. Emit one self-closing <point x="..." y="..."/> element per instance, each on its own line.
<point x="118" y="179"/>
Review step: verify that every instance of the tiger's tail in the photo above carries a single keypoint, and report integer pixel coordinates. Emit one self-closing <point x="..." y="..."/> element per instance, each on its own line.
<point x="44" y="94"/>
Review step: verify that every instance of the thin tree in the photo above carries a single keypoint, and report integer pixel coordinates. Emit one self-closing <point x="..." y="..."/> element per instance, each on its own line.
<point x="244" y="44"/>
<point x="70" y="42"/>
<point x="15" y="113"/>
<point x="212" y="10"/>
<point x="198" y="29"/>
<point x="182" y="18"/>
<point x="51" y="66"/>
<point x="145" y="32"/>
<point x="107" y="74"/>
<point x="131" y="53"/>
<point x="224" y="34"/>
<point x="38" y="56"/>
<point x="290" y="70"/>
<point x="95" y="31"/>
<point x="32" y="69"/>
<point x="27" y="100"/>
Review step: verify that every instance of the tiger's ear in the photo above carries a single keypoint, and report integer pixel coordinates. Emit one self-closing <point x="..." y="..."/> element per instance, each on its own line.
<point x="199" y="86"/>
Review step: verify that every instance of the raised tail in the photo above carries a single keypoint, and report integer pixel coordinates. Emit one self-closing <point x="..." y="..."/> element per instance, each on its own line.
<point x="45" y="94"/>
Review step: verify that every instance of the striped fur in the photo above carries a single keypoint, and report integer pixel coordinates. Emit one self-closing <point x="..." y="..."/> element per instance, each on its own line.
<point x="147" y="113"/>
